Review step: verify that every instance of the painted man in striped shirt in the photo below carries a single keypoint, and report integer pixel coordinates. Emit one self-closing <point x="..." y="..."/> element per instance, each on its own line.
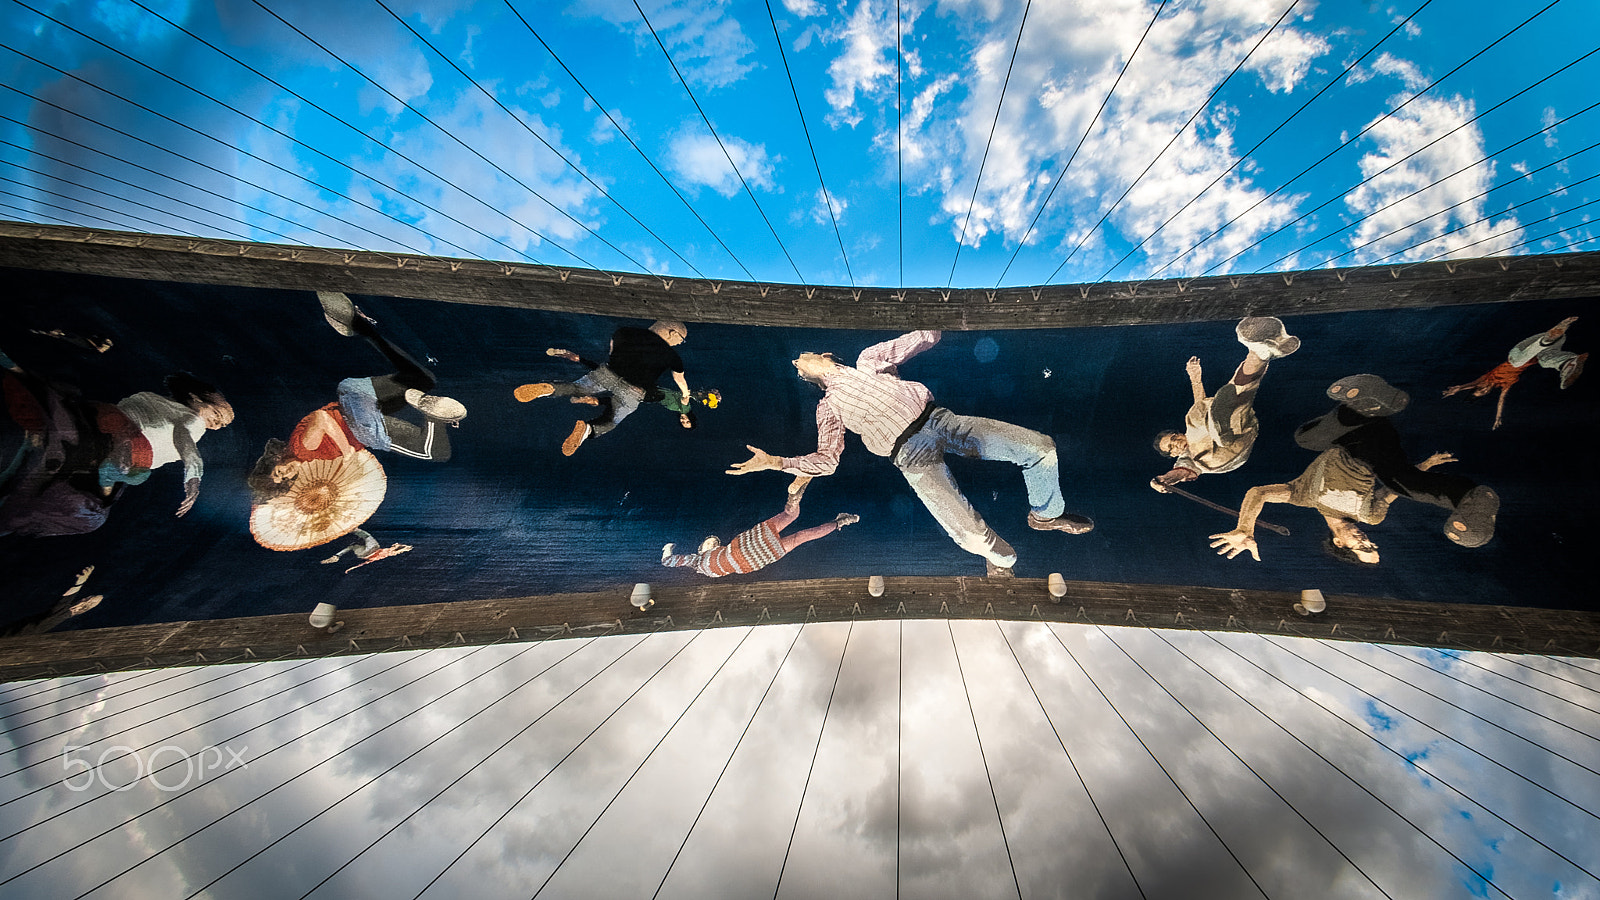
<point x="899" y="419"/>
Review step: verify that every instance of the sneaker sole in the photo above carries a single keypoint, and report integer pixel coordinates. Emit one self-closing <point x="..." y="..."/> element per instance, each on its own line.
<point x="580" y="433"/>
<point x="527" y="392"/>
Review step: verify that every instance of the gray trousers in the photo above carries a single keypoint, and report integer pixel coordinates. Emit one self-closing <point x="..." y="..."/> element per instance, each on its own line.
<point x="618" y="398"/>
<point x="921" y="461"/>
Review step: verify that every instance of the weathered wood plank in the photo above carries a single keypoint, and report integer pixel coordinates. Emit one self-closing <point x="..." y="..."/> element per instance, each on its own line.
<point x="559" y="616"/>
<point x="181" y="259"/>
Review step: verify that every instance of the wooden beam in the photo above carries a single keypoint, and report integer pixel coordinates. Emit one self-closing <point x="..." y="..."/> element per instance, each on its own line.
<point x="192" y="260"/>
<point x="717" y="605"/>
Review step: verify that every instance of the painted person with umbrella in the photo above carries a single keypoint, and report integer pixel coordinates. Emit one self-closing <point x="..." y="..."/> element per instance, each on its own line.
<point x="324" y="482"/>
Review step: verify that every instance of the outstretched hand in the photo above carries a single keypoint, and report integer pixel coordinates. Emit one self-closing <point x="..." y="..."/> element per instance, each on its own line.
<point x="191" y="493"/>
<point x="1437" y="459"/>
<point x="759" y="461"/>
<point x="1232" y="543"/>
<point x="1192" y="367"/>
<point x="1158" y="486"/>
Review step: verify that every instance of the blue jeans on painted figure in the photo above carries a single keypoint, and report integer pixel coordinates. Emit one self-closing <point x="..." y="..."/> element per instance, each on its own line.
<point x="921" y="461"/>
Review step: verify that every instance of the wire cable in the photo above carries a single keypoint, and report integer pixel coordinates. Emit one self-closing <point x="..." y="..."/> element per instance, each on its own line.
<point x="1346" y="192"/>
<point x="1518" y="245"/>
<point x="1530" y="687"/>
<point x="1082" y="782"/>
<point x="1246" y="155"/>
<point x="281" y="133"/>
<point x="1183" y="706"/>
<point x="1084" y="137"/>
<point x="1492" y="694"/>
<point x="1438" y="730"/>
<point x="988" y="143"/>
<point x="900" y="229"/>
<point x="1482" y="718"/>
<point x="1420" y="765"/>
<point x="193" y="161"/>
<point x="71" y="212"/>
<point x="631" y="142"/>
<point x="1174" y="139"/>
<point x="156" y="209"/>
<point x="249" y="803"/>
<point x="827" y="197"/>
<point x="387" y="147"/>
<point x="441" y="736"/>
<point x="647" y="757"/>
<point x="238" y="150"/>
<point x="706" y="119"/>
<point x="1331" y="764"/>
<point x="540" y="138"/>
<point x="815" y="749"/>
<point x="1435" y="183"/>
<point x="84" y="187"/>
<point x="1153" y="758"/>
<point x="1478" y="221"/>
<point x="575" y="747"/>
<point x="172" y="796"/>
<point x="457" y="779"/>
<point x="1343" y="143"/>
<point x="55" y="159"/>
<point x="984" y="758"/>
<point x="729" y="761"/>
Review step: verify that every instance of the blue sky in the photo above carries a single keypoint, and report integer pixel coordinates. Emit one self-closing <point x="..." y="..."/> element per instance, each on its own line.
<point x="349" y="164"/>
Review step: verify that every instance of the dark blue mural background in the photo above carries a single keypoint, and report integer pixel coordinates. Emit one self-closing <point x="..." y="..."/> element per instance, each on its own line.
<point x="510" y="516"/>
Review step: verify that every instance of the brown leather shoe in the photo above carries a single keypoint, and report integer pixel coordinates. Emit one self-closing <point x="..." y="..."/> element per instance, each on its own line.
<point x="580" y="433"/>
<point x="1071" y="523"/>
<point x="527" y="392"/>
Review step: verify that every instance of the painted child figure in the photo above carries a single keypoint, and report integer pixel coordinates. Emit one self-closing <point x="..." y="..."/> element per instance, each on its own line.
<point x="1544" y="349"/>
<point x="1219" y="431"/>
<point x="758" y="547"/>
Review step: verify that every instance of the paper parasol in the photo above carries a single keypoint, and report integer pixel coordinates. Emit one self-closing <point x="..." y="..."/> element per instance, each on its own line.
<point x="329" y="499"/>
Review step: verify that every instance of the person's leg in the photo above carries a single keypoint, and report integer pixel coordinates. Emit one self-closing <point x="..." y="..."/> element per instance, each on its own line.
<point x="407" y="371"/>
<point x="430" y="441"/>
<point x="1232" y="409"/>
<point x="979" y="438"/>
<point x="625" y="398"/>
<point x="791" y="541"/>
<point x="938" y="492"/>
<point x="681" y="560"/>
<point x="1377" y="443"/>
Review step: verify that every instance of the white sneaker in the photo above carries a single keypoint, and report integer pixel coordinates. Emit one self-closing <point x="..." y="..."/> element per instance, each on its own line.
<point x="444" y="409"/>
<point x="667" y="551"/>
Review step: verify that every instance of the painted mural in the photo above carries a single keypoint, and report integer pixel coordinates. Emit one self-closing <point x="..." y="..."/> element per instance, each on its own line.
<point x="177" y="451"/>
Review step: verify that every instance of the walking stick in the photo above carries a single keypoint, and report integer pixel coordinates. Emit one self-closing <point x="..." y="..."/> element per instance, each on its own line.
<point x="1223" y="509"/>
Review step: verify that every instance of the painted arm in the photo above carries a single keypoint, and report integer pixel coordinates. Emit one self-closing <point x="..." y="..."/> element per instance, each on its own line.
<point x="193" y="467"/>
<point x="830" y="443"/>
<point x="1196" y="385"/>
<point x="1242" y="539"/>
<point x="324" y="426"/>
<point x="884" y="358"/>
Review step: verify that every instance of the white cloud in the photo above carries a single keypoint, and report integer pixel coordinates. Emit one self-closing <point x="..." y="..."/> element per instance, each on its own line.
<point x="1401" y="199"/>
<point x="825" y="199"/>
<point x="1074" y="52"/>
<point x="1548" y="120"/>
<point x="868" y="58"/>
<point x="707" y="43"/>
<point x="697" y="159"/>
<point x="803" y="7"/>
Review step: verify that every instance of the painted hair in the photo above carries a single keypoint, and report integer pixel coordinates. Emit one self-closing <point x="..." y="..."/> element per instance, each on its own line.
<point x="1161" y="437"/>
<point x="668" y="325"/>
<point x="194" y="393"/>
<point x="262" y="487"/>
<point x="1343" y="554"/>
